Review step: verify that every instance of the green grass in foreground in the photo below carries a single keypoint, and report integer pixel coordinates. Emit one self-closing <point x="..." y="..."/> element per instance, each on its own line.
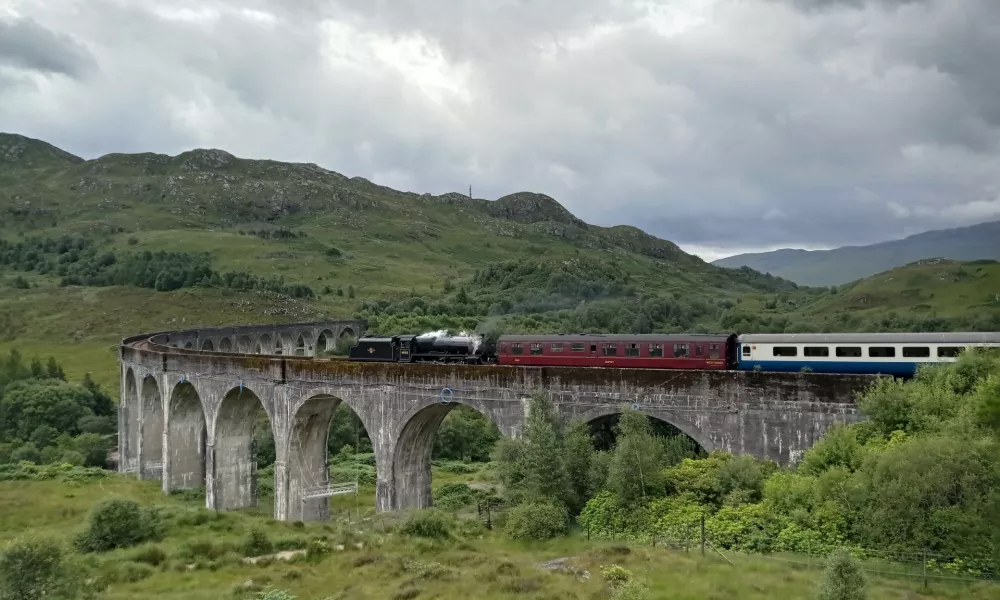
<point x="478" y="564"/>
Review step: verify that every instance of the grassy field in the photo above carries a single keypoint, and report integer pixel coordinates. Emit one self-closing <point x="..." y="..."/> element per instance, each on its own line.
<point x="203" y="559"/>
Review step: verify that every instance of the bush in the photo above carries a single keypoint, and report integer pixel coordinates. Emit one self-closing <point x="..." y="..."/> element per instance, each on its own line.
<point x="117" y="524"/>
<point x="616" y="575"/>
<point x="631" y="590"/>
<point x="428" y="524"/>
<point x="536" y="521"/>
<point x="151" y="555"/>
<point x="31" y="569"/>
<point x="843" y="579"/>
<point x="257" y="544"/>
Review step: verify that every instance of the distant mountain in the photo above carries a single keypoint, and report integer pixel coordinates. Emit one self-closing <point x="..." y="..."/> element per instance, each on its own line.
<point x="842" y="265"/>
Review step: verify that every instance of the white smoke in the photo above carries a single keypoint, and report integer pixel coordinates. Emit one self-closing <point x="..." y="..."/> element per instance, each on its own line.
<point x="470" y="336"/>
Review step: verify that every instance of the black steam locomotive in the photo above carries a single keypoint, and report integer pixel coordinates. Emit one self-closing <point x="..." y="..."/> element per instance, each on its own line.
<point x="427" y="347"/>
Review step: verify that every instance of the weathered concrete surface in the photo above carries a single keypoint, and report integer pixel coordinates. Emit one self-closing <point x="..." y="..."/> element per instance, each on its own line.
<point x="208" y="401"/>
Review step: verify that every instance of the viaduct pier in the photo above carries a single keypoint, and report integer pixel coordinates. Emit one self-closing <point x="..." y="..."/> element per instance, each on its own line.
<point x="189" y="401"/>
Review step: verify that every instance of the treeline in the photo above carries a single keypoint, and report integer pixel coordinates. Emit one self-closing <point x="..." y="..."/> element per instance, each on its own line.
<point x="545" y="296"/>
<point x="918" y="476"/>
<point x="44" y="419"/>
<point x="79" y="261"/>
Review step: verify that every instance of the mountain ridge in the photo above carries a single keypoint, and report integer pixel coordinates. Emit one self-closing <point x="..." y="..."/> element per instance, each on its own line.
<point x="842" y="265"/>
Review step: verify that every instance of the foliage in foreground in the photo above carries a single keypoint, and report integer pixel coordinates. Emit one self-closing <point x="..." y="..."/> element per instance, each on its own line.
<point x="32" y="569"/>
<point x="117" y="524"/>
<point x="919" y="475"/>
<point x="843" y="578"/>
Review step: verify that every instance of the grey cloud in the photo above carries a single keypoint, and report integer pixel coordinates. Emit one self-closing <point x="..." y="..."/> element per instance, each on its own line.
<point x="27" y="44"/>
<point x="814" y="127"/>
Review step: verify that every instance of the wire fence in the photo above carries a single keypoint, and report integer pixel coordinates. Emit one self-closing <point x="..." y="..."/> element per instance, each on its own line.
<point x="922" y="565"/>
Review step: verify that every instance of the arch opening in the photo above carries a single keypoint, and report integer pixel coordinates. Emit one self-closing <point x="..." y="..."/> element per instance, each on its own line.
<point x="188" y="345"/>
<point x="242" y="436"/>
<point x="346" y="338"/>
<point x="328" y="445"/>
<point x="186" y="438"/>
<point x="129" y="450"/>
<point x="208" y="346"/>
<point x="151" y="436"/>
<point x="677" y="445"/>
<point x="225" y="345"/>
<point x="278" y="347"/>
<point x="325" y="342"/>
<point x="450" y="431"/>
<point x="243" y="344"/>
<point x="263" y="344"/>
<point x="300" y="345"/>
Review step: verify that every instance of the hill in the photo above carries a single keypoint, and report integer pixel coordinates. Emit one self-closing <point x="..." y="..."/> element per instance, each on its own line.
<point x="94" y="250"/>
<point x="842" y="265"/>
<point x="927" y="295"/>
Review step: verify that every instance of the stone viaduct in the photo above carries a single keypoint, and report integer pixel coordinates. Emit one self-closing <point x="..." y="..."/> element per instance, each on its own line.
<point x="190" y="398"/>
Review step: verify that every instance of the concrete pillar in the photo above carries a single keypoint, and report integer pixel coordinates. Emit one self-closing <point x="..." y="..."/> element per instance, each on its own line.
<point x="282" y="510"/>
<point x="210" y="480"/>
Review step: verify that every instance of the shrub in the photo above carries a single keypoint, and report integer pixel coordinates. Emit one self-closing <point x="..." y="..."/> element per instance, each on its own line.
<point x="151" y="555"/>
<point x="257" y="544"/>
<point x="428" y="524"/>
<point x="32" y="568"/>
<point x="631" y="590"/>
<point x="117" y="524"/>
<point x="535" y="521"/>
<point x="616" y="575"/>
<point x="843" y="578"/>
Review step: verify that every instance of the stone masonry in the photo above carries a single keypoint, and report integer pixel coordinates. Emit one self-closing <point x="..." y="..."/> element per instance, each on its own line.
<point x="189" y="401"/>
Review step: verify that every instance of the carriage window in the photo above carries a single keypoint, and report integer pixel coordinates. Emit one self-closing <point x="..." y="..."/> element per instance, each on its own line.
<point x="713" y="351"/>
<point x="516" y="349"/>
<point x="881" y="352"/>
<point x="656" y="350"/>
<point x="610" y="349"/>
<point x="555" y="347"/>
<point x="849" y="351"/>
<point x="680" y="350"/>
<point x="949" y="351"/>
<point x="578" y="347"/>
<point x="503" y="348"/>
<point x="785" y="351"/>
<point x="593" y="347"/>
<point x="916" y="351"/>
<point x="699" y="350"/>
<point x="631" y="349"/>
<point x="746" y="350"/>
<point x="536" y="349"/>
<point x="816" y="351"/>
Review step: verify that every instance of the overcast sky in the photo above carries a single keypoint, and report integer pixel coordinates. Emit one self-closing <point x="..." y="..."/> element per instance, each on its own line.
<point x="723" y="125"/>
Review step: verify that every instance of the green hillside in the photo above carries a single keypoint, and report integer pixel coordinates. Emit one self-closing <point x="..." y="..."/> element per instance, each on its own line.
<point x="843" y="265"/>
<point x="95" y="250"/>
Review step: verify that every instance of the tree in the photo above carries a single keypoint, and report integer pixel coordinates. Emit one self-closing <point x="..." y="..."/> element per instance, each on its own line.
<point x="636" y="466"/>
<point x="843" y="578"/>
<point x="533" y="468"/>
<point x="33" y="569"/>
<point x="579" y="457"/>
<point x="350" y="292"/>
<point x="53" y="370"/>
<point x="26" y="405"/>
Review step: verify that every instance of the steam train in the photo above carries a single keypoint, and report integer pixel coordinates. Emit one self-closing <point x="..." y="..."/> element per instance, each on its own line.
<point x="886" y="353"/>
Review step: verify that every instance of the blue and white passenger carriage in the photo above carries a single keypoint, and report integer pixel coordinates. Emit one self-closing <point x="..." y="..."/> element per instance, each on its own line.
<point x="887" y="353"/>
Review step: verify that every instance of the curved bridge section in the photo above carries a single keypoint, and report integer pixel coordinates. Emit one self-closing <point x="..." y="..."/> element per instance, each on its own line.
<point x="190" y="401"/>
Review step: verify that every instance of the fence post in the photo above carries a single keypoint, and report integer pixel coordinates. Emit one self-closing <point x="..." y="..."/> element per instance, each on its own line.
<point x="489" y="518"/>
<point x="923" y="566"/>
<point x="687" y="539"/>
<point x="588" y="531"/>
<point x="703" y="534"/>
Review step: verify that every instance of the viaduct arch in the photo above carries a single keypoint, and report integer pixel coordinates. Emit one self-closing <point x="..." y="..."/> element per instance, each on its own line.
<point x="189" y="398"/>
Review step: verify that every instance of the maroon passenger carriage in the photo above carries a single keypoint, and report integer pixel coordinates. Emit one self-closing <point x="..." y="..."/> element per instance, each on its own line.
<point x="628" y="351"/>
